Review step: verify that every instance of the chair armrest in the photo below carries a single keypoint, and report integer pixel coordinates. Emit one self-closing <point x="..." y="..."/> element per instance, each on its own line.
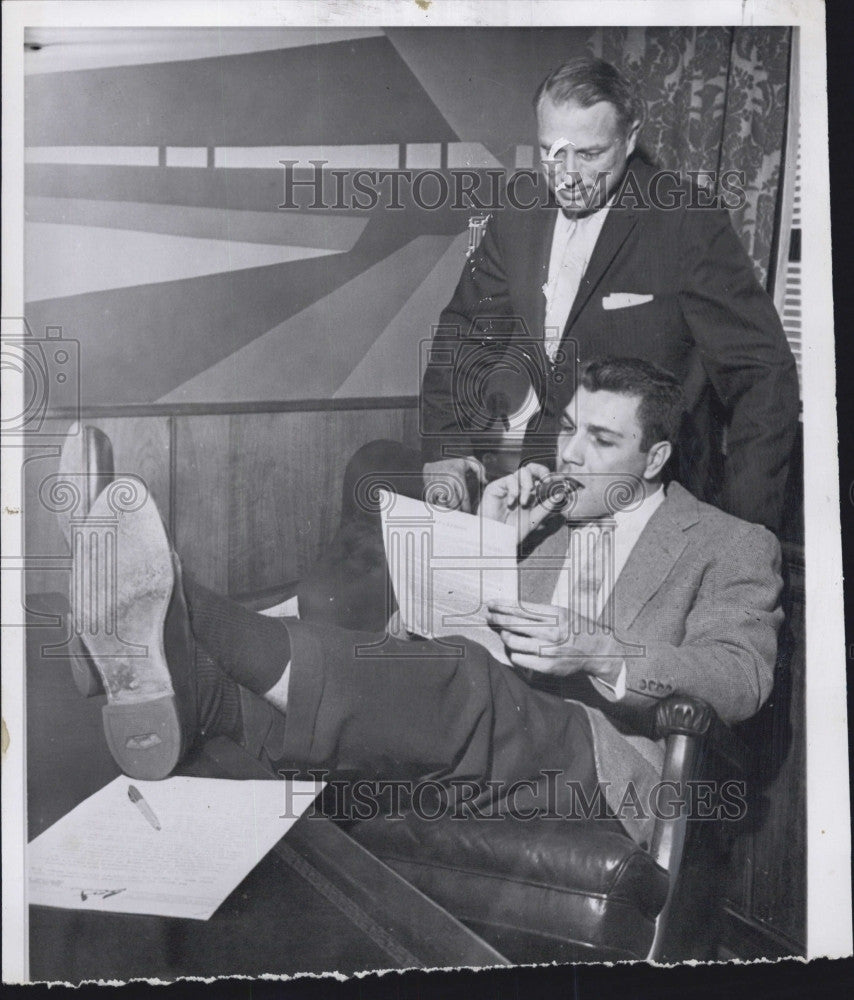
<point x="682" y="714"/>
<point x="692" y="717"/>
<point x="684" y="723"/>
<point x="695" y="739"/>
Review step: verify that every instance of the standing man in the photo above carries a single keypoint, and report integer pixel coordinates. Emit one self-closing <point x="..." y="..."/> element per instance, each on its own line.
<point x="623" y="261"/>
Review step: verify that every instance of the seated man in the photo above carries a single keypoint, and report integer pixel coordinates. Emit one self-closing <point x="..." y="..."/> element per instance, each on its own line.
<point x="694" y="608"/>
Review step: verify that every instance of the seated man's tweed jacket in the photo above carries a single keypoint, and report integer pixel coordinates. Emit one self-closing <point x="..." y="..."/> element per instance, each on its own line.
<point x="697" y="606"/>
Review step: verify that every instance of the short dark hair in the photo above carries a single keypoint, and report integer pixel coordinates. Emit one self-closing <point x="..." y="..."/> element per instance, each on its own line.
<point x="661" y="400"/>
<point x="587" y="81"/>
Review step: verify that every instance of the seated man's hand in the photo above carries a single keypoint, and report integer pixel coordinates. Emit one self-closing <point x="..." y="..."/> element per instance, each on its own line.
<point x="517" y="498"/>
<point x="445" y="481"/>
<point x="546" y="638"/>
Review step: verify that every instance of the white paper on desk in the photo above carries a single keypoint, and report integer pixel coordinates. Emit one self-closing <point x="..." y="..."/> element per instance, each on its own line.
<point x="445" y="566"/>
<point x="104" y="855"/>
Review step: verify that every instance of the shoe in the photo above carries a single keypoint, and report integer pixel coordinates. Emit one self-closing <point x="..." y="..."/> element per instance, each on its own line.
<point x="85" y="465"/>
<point x="142" y="646"/>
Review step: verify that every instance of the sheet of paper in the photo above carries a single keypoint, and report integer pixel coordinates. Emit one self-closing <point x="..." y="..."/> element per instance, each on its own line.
<point x="105" y="855"/>
<point x="445" y="566"/>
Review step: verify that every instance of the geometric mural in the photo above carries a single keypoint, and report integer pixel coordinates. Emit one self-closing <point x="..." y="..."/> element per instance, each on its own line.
<point x="310" y="354"/>
<point x="188" y="283"/>
<point x="401" y="339"/>
<point x="116" y="258"/>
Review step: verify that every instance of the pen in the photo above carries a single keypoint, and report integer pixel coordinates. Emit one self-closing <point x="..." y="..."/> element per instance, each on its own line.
<point x="135" y="796"/>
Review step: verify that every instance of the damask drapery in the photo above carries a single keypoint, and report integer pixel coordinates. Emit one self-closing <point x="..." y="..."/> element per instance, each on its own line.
<point x="717" y="101"/>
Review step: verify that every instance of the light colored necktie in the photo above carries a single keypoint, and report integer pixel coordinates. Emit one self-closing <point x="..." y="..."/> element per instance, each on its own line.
<point x="586" y="555"/>
<point x="562" y="287"/>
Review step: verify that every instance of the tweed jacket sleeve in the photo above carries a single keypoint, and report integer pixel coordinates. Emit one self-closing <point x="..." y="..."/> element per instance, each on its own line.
<point x="728" y="644"/>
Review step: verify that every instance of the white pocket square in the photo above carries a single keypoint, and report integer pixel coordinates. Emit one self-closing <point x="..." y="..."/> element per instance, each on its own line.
<point x="622" y="300"/>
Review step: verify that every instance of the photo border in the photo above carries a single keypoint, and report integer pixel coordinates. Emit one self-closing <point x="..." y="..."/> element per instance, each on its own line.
<point x="828" y="830"/>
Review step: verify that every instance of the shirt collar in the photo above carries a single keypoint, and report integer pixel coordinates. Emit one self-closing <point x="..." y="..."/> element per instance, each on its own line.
<point x="635" y="520"/>
<point x="597" y="214"/>
<point x="631" y="521"/>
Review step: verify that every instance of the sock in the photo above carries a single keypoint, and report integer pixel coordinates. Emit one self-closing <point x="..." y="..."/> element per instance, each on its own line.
<point x="227" y="709"/>
<point x="253" y="649"/>
<point x="217" y="700"/>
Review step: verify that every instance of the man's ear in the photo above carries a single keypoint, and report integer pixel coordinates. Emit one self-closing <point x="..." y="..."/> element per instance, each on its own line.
<point x="656" y="459"/>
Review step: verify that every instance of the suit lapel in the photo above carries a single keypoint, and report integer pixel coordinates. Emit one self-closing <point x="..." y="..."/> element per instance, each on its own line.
<point x="615" y="231"/>
<point x="650" y="562"/>
<point x="619" y="223"/>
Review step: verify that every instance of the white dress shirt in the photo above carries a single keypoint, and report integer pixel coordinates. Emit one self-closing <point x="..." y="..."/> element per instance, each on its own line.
<point x="572" y="247"/>
<point x="626" y="530"/>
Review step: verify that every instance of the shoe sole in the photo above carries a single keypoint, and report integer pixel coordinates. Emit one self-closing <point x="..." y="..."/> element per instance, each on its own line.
<point x="142" y="724"/>
<point x="84" y="448"/>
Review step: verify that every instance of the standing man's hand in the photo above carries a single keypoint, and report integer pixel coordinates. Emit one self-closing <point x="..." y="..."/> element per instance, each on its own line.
<point x="445" y="481"/>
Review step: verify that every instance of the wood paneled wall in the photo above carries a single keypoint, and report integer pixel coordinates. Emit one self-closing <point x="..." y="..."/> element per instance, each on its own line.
<point x="249" y="498"/>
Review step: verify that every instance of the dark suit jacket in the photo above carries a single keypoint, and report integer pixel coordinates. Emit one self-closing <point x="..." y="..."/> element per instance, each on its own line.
<point x="697" y="609"/>
<point x="709" y="322"/>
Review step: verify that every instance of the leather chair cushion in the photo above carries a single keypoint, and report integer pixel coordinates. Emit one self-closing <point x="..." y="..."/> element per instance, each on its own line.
<point x="543" y="890"/>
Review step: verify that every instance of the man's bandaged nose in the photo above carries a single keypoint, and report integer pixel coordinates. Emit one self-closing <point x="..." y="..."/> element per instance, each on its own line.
<point x="556" y="147"/>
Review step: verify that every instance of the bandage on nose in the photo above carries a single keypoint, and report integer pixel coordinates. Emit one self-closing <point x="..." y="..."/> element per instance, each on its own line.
<point x="556" y="147"/>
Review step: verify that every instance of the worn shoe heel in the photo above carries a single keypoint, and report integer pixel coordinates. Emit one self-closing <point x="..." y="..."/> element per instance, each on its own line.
<point x="147" y="728"/>
<point x="146" y="737"/>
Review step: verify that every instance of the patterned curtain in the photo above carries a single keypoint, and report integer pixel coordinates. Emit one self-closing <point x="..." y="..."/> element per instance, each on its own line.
<point x="716" y="100"/>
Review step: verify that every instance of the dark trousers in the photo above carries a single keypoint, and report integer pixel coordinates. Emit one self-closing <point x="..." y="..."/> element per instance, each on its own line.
<point x="362" y="704"/>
